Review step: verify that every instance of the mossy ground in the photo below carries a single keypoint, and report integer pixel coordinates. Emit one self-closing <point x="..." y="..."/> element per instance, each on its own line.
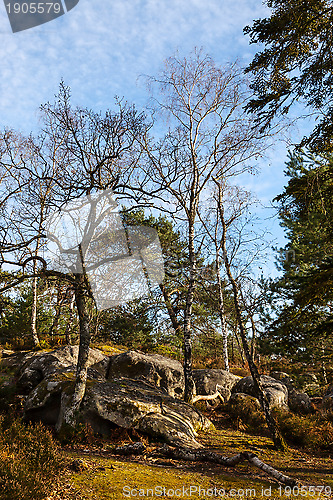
<point x="109" y="477"/>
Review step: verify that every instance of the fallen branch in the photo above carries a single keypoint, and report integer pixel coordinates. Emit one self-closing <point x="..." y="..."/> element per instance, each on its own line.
<point x="208" y="398"/>
<point x="208" y="456"/>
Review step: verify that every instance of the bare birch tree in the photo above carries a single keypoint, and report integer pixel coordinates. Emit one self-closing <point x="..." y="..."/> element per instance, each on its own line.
<point x="227" y="259"/>
<point x="209" y="134"/>
<point x="23" y="210"/>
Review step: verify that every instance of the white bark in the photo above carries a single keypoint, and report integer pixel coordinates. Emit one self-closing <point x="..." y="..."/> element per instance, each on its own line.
<point x="210" y="397"/>
<point x="209" y="456"/>
<point x="33" y="319"/>
<point x="222" y="316"/>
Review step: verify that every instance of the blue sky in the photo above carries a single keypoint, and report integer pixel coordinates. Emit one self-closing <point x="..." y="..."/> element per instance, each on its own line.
<point x="101" y="48"/>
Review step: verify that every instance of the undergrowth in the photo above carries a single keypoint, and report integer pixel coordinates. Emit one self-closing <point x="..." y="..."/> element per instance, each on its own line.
<point x="312" y="432"/>
<point x="30" y="460"/>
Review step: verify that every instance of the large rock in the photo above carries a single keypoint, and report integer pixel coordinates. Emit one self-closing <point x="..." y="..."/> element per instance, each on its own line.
<point x="161" y="372"/>
<point x="298" y="402"/>
<point x="275" y="391"/>
<point x="247" y="408"/>
<point x="12" y="361"/>
<point x="35" y="366"/>
<point x="131" y="404"/>
<point x="285" y="378"/>
<point x="327" y="403"/>
<point x="208" y="382"/>
<point x="240" y="402"/>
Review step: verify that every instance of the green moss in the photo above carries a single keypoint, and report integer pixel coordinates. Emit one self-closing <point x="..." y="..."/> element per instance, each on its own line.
<point x="109" y="350"/>
<point x="109" y="479"/>
<point x="112" y="483"/>
<point x="64" y="377"/>
<point x="106" y="478"/>
<point x="313" y="470"/>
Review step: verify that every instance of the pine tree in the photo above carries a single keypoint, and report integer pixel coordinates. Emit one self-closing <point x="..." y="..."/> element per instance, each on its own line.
<point x="295" y="64"/>
<point x="303" y="296"/>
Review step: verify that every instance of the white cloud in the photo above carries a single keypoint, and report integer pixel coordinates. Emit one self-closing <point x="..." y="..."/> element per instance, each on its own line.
<point x="100" y="48"/>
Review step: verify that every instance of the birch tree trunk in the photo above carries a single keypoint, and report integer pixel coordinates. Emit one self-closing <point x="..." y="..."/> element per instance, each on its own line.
<point x="33" y="319"/>
<point x="189" y="382"/>
<point x="253" y="341"/>
<point x="222" y="317"/>
<point x="271" y="423"/>
<point x="33" y="322"/>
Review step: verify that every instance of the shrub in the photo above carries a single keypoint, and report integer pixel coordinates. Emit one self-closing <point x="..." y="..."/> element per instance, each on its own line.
<point x="240" y="371"/>
<point x="81" y="433"/>
<point x="30" y="460"/>
<point x="246" y="413"/>
<point x="169" y="351"/>
<point x="310" y="431"/>
<point x="8" y="399"/>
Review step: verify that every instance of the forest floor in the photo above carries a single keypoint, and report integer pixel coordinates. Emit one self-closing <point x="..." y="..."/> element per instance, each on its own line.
<point x="105" y="476"/>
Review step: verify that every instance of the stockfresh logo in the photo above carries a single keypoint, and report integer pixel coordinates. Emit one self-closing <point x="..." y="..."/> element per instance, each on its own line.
<point x="25" y="14"/>
<point x="87" y="236"/>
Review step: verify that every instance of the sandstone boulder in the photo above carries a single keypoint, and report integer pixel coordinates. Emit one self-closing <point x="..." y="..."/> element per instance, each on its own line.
<point x="12" y="361"/>
<point x="238" y="401"/>
<point x="285" y="378"/>
<point x="298" y="402"/>
<point x="35" y="366"/>
<point x="208" y="382"/>
<point x="275" y="391"/>
<point x="327" y="403"/>
<point x="164" y="373"/>
<point x="246" y="408"/>
<point x="131" y="404"/>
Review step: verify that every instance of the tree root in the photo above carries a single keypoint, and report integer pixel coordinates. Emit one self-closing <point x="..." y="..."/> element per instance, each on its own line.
<point x="208" y="456"/>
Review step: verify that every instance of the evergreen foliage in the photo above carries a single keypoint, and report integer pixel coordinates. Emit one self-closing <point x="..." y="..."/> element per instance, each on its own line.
<point x="302" y="297"/>
<point x="295" y="64"/>
<point x="16" y="314"/>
